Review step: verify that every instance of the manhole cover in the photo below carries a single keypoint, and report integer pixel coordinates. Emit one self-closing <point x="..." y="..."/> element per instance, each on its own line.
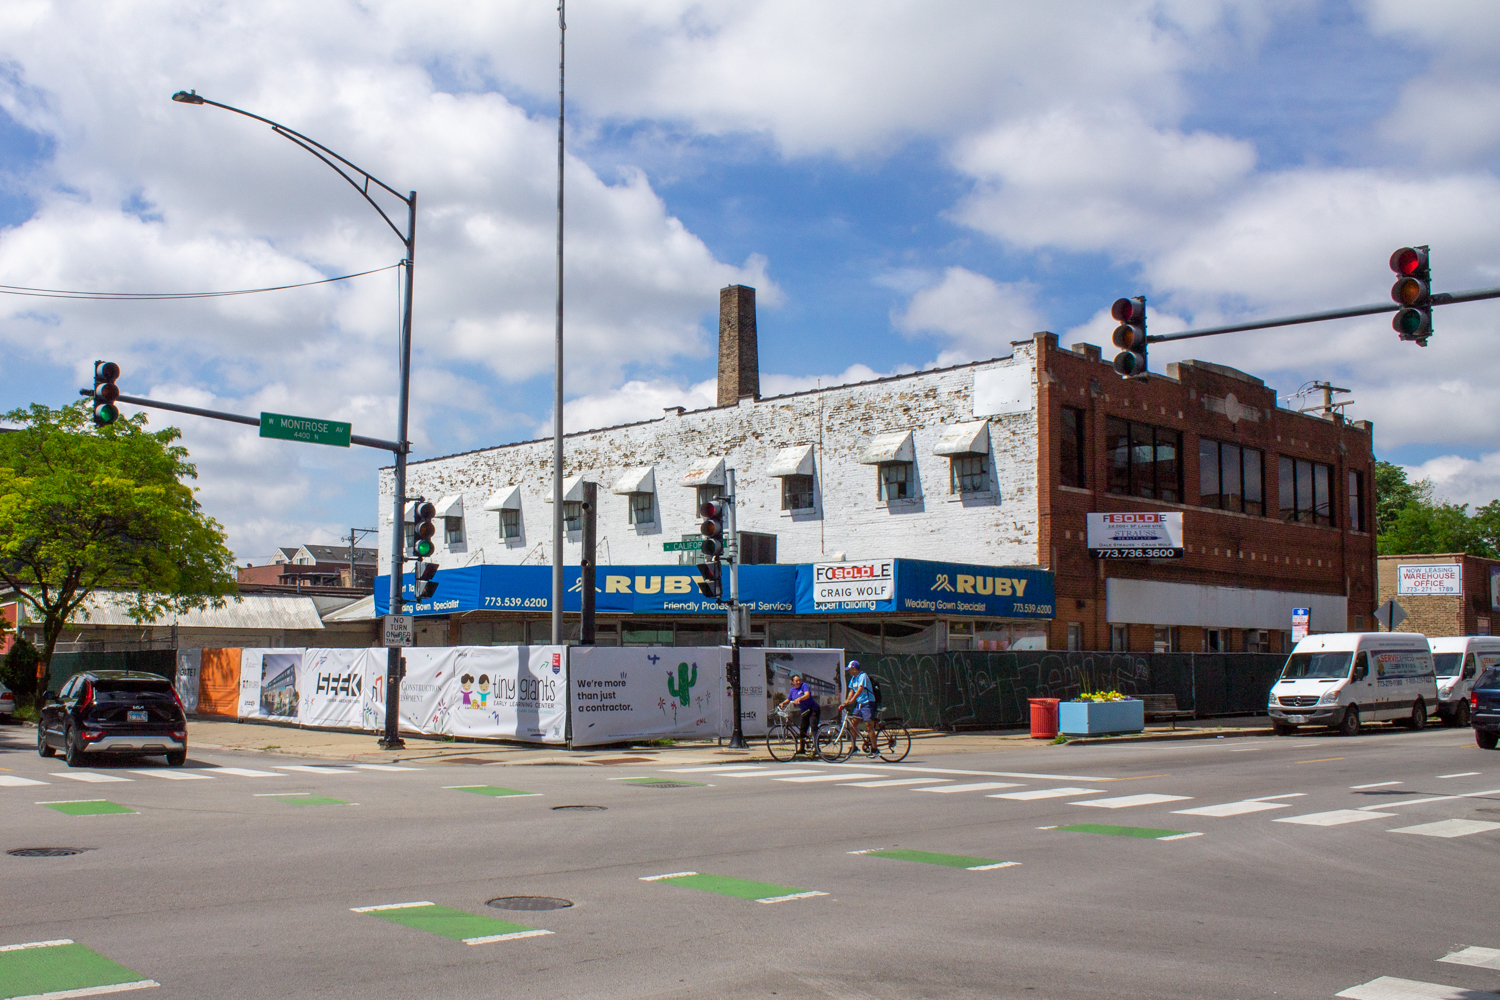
<point x="45" y="852"/>
<point x="665" y="784"/>
<point x="579" y="808"/>
<point x="530" y="903"/>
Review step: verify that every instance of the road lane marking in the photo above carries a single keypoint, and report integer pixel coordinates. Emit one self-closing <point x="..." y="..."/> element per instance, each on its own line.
<point x="390" y="906"/>
<point x="313" y="769"/>
<point x="304" y="799"/>
<point x="893" y="782"/>
<point x="16" y="781"/>
<point x="173" y="775"/>
<point x="278" y="795"/>
<point x="87" y="807"/>
<point x="1141" y="832"/>
<point x="829" y="777"/>
<point x="946" y="860"/>
<point x="249" y="772"/>
<point x="455" y="925"/>
<point x="1433" y="798"/>
<point x="1129" y="801"/>
<point x="770" y="774"/>
<point x="1138" y="777"/>
<point x="92" y="776"/>
<point x="724" y="885"/>
<point x="1479" y="958"/>
<point x="977" y="786"/>
<point x="1450" y="828"/>
<point x="1043" y="793"/>
<point x="490" y="790"/>
<point x="1461" y="774"/>
<point x="1335" y="817"/>
<point x="1391" y="988"/>
<point x="720" y="768"/>
<point x="977" y="774"/>
<point x="658" y="878"/>
<point x="1378" y="784"/>
<point x="1319" y="760"/>
<point x="1239" y="808"/>
<point x="52" y="970"/>
<point x="385" y="767"/>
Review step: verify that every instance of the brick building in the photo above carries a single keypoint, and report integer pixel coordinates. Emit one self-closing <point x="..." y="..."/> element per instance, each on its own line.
<point x="992" y="464"/>
<point x="1449" y="593"/>
<point x="302" y="567"/>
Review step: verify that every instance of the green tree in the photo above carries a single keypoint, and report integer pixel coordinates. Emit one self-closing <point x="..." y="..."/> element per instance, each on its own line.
<point x="1393" y="494"/>
<point x="1436" y="527"/>
<point x="85" y="510"/>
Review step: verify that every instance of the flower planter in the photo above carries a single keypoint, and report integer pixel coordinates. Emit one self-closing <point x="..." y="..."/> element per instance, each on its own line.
<point x="1093" y="718"/>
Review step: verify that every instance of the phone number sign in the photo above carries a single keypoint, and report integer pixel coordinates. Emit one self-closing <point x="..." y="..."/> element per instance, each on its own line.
<point x="1144" y="535"/>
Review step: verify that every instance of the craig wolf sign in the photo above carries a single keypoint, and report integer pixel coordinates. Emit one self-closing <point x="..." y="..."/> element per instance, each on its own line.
<point x="841" y="583"/>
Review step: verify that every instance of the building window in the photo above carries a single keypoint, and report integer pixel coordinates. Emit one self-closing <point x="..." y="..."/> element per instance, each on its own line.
<point x="1356" y="501"/>
<point x="1229" y="477"/>
<point x="1304" y="491"/>
<point x="643" y="508"/>
<point x="510" y="523"/>
<point x="1144" y="461"/>
<point x="1165" y="639"/>
<point x="1070" y="436"/>
<point x="1119" y="639"/>
<point x="1257" y="640"/>
<point x="796" y="492"/>
<point x="970" y="474"/>
<point x="453" y="530"/>
<point x="1213" y="641"/>
<point x="572" y="515"/>
<point x="895" y="480"/>
<point x="1075" y="636"/>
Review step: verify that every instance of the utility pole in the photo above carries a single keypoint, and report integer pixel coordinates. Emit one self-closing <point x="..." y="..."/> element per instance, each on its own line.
<point x="354" y="534"/>
<point x="732" y="553"/>
<point x="557" y="388"/>
<point x="587" y="566"/>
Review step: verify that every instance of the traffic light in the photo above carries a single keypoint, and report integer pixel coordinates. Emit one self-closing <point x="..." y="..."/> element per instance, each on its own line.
<point x="711" y="584"/>
<point x="712" y="513"/>
<point x="423" y="514"/>
<point x="423" y="584"/>
<point x="1130" y="336"/>
<point x="1413" y="293"/>
<point x="105" y="393"/>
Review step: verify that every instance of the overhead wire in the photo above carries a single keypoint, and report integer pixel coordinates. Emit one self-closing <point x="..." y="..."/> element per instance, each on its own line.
<point x="59" y="293"/>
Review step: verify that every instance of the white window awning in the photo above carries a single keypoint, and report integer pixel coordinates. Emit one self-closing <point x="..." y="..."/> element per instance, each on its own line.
<point x="705" y="472"/>
<point x="796" y="461"/>
<point x="972" y="438"/>
<point x="451" y="506"/>
<point x="572" y="490"/>
<point x="641" y="479"/>
<point x="505" y="498"/>
<point x="411" y="512"/>
<point x="893" y="447"/>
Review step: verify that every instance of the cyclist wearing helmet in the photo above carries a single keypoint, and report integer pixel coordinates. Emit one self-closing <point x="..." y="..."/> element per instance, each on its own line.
<point x="861" y="694"/>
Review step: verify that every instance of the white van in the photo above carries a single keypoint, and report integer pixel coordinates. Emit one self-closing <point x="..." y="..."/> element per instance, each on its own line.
<point x="1344" y="679"/>
<point x="1459" y="659"/>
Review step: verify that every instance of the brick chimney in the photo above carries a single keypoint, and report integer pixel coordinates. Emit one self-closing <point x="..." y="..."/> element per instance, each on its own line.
<point x="739" y="361"/>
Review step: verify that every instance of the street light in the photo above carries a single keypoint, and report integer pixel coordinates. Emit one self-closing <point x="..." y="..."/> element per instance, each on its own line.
<point x="392" y="738"/>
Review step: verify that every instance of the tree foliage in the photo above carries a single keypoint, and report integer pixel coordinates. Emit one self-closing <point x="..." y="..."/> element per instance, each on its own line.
<point x="1410" y="521"/>
<point x="108" y="509"/>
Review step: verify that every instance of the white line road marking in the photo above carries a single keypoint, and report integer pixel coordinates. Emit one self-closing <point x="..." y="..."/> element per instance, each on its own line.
<point x="893" y="782"/>
<point x="830" y="777"/>
<point x="1336" y="817"/>
<point x="1127" y="801"/>
<point x="1241" y="807"/>
<point x="389" y="767"/>
<point x="836" y="990"/>
<point x="1180" y="836"/>
<point x="248" y="772"/>
<point x="1450" y="828"/>
<point x="1433" y="798"/>
<point x="721" y="768"/>
<point x="390" y="906"/>
<point x="1461" y="774"/>
<point x="1480" y="958"/>
<point x="1043" y="793"/>
<point x="36" y="944"/>
<point x="1390" y="988"/>
<point x="313" y="769"/>
<point x="978" y="774"/>
<point x="795" y="895"/>
<point x="92" y="776"/>
<point x="772" y="774"/>
<point x="16" y="781"/>
<point x="278" y="795"/>
<point x="658" y="878"/>
<point x="512" y="936"/>
<point x="93" y="991"/>
<point x="1378" y="784"/>
<point x="174" y="775"/>
<point x="978" y="786"/>
<point x="985" y="868"/>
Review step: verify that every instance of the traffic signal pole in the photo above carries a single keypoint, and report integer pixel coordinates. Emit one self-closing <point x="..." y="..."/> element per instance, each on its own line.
<point x="732" y="553"/>
<point x="395" y="666"/>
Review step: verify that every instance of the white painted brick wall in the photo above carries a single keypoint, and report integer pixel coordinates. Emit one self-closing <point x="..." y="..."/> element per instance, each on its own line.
<point x="849" y="521"/>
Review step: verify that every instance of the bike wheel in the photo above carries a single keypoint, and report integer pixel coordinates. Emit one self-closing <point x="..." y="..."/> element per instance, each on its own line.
<point x="781" y="741"/>
<point x="832" y="745"/>
<point x="895" y="742"/>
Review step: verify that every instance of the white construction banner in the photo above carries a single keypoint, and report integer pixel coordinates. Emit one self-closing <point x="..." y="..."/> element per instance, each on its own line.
<point x="268" y="683"/>
<point x="646" y="692"/>
<point x="822" y="669"/>
<point x="486" y="692"/>
<point x="332" y="685"/>
<point x="189" y="666"/>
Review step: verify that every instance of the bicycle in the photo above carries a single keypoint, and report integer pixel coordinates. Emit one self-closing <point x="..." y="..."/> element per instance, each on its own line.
<point x="837" y="741"/>
<point x="784" y="736"/>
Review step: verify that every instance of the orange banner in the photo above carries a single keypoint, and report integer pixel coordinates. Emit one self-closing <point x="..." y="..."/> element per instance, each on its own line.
<point x="219" y="682"/>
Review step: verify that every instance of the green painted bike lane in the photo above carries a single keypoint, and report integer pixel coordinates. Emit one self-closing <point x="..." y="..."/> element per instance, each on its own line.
<point x="724" y="885"/>
<point x="947" y="860"/>
<point x="62" y="968"/>
<point x="445" y="921"/>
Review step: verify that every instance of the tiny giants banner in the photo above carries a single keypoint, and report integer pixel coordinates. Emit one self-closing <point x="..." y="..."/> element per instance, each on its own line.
<point x="486" y="692"/>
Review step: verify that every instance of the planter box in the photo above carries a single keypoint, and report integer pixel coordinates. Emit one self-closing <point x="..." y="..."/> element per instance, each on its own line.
<point x="1092" y="718"/>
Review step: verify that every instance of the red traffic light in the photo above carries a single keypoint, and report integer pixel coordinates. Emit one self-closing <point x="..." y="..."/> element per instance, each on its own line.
<point x="425" y="511"/>
<point x="711" y="509"/>
<point x="109" y="371"/>
<point x="1409" y="261"/>
<point x="1128" y="310"/>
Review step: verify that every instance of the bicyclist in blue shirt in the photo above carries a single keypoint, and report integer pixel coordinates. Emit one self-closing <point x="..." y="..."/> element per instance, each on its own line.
<point x="801" y="698"/>
<point x="861" y="694"/>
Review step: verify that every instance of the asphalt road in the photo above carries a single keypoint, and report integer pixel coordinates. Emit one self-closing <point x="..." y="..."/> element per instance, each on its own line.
<point x="1251" y="867"/>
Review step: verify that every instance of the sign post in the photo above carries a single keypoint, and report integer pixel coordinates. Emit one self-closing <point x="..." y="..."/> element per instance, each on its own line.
<point x="308" y="430"/>
<point x="695" y="544"/>
<point x="399" y="631"/>
<point x="1299" y="624"/>
<point x="1390" y="614"/>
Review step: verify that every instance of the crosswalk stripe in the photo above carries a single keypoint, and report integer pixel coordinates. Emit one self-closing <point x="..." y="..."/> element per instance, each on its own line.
<point x="174" y="775"/>
<point x="1391" y="988"/>
<point x="1461" y="774"/>
<point x="1479" y="958"/>
<point x="1335" y="817"/>
<point x="721" y="768"/>
<point x="830" y="777"/>
<point x="768" y="774"/>
<point x="1129" y="801"/>
<point x="16" y="781"/>
<point x="893" y="782"/>
<point x="1231" y="808"/>
<point x="248" y="772"/>
<point x="1378" y="784"/>
<point x="977" y="786"/>
<point x="313" y="769"/>
<point x="1043" y="793"/>
<point x="1450" y="828"/>
<point x="387" y="767"/>
<point x="93" y="776"/>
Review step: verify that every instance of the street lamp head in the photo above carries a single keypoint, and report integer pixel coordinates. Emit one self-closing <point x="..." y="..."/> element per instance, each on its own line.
<point x="187" y="97"/>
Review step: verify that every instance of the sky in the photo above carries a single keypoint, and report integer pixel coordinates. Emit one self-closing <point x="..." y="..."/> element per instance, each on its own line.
<point x="906" y="185"/>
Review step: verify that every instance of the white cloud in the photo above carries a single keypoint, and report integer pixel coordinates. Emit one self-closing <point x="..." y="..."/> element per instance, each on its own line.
<point x="978" y="316"/>
<point x="1456" y="479"/>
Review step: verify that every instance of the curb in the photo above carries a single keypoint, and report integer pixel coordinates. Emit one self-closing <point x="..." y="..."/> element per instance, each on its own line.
<point x="1168" y="737"/>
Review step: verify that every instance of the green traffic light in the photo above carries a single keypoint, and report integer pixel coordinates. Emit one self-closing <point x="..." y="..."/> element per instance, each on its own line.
<point x="1410" y="322"/>
<point x="423" y="548"/>
<point x="106" y="415"/>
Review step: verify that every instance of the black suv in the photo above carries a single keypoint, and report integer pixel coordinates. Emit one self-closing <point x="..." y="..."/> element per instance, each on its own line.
<point x="113" y="712"/>
<point x="1484" y="709"/>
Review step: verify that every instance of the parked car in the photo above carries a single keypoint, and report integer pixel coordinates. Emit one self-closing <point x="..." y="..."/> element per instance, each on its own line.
<point x="1484" y="709"/>
<point x="1343" y="679"/>
<point x="7" y="702"/>
<point x="1459" y="660"/>
<point x="104" y="712"/>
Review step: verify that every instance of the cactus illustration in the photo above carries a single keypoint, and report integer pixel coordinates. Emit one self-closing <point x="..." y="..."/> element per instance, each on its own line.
<point x="682" y="690"/>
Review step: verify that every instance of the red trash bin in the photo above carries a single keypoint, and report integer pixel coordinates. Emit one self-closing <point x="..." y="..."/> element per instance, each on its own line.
<point x="1044" y="718"/>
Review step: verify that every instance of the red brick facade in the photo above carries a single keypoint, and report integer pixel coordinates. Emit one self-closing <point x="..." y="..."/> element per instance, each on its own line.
<point x="1471" y="613"/>
<point x="1261" y="552"/>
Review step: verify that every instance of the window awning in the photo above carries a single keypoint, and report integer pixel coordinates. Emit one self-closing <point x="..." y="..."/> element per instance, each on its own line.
<point x="451" y="506"/>
<point x="705" y="472"/>
<point x="972" y="438"/>
<point x="796" y="461"/>
<point x="893" y="447"/>
<point x="641" y="479"/>
<point x="572" y="490"/>
<point x="505" y="498"/>
<point x="410" y="514"/>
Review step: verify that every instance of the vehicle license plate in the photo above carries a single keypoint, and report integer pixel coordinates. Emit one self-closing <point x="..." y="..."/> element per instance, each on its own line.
<point x="136" y="716"/>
